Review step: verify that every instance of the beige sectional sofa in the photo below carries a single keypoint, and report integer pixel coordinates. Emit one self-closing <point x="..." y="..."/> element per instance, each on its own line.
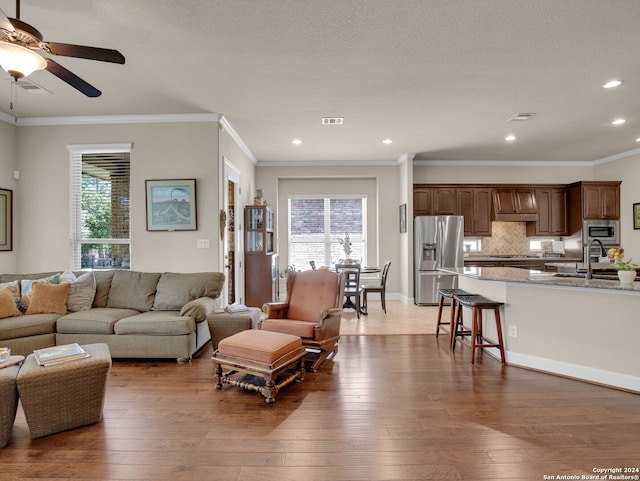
<point x="137" y="314"/>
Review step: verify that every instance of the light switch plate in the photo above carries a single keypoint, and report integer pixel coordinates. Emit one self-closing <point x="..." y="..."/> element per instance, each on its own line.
<point x="204" y="243"/>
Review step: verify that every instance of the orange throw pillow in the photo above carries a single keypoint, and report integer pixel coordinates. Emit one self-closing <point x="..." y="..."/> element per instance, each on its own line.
<point x="48" y="298"/>
<point x="8" y="306"/>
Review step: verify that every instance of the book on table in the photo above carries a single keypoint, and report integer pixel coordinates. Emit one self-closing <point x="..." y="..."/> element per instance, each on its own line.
<point x="57" y="354"/>
<point x="236" y="308"/>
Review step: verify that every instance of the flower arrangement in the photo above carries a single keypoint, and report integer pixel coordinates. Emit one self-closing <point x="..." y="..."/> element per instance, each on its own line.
<point x="616" y="254"/>
<point x="346" y="245"/>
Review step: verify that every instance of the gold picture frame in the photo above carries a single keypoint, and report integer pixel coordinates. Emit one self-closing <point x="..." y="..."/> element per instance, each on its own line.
<point x="6" y="220"/>
<point x="636" y="216"/>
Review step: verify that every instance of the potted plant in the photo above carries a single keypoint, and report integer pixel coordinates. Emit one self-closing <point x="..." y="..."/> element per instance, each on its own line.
<point x="626" y="269"/>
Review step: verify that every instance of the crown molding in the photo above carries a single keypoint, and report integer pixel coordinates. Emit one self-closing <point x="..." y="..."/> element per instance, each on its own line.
<point x="116" y="119"/>
<point x="236" y="138"/>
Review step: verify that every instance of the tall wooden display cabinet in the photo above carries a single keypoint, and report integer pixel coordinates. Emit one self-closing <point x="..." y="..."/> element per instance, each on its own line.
<point x="260" y="260"/>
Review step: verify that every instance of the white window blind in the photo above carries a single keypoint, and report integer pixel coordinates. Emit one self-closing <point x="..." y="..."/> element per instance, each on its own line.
<point x="318" y="223"/>
<point x="100" y="235"/>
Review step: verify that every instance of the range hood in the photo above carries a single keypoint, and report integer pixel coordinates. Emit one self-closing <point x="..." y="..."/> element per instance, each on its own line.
<point x="514" y="204"/>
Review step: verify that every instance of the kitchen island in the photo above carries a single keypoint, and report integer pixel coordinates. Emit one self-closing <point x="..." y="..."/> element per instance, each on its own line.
<point x="579" y="328"/>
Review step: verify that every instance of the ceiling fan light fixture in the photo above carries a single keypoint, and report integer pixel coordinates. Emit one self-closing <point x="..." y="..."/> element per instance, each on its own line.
<point x="19" y="61"/>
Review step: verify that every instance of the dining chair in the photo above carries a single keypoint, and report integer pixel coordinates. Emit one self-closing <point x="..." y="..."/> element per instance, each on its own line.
<point x="352" y="288"/>
<point x="381" y="288"/>
<point x="312" y="264"/>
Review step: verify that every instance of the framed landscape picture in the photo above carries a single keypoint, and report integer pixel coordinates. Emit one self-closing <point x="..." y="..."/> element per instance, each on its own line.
<point x="636" y="216"/>
<point x="171" y="204"/>
<point x="6" y="220"/>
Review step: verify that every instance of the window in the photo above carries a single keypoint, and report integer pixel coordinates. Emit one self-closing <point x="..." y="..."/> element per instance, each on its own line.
<point x="100" y="207"/>
<point x="318" y="223"/>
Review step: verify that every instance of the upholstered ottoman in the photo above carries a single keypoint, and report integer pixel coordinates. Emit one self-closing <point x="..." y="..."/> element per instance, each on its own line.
<point x="267" y="361"/>
<point x="8" y="402"/>
<point x="64" y="396"/>
<point x="225" y="324"/>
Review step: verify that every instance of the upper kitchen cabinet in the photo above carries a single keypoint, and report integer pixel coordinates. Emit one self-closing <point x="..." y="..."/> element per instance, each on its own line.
<point x="595" y="200"/>
<point x="474" y="203"/>
<point x="514" y="204"/>
<point x="552" y="212"/>
<point x="434" y="200"/>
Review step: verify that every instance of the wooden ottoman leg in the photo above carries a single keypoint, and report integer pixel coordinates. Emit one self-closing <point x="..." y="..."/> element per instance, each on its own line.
<point x="269" y="390"/>
<point x="217" y="375"/>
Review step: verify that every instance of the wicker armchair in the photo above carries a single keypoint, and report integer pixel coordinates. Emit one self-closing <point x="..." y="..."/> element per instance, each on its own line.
<point x="312" y="311"/>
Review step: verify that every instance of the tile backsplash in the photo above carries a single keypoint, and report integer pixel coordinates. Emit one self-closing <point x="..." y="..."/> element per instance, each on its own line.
<point x="506" y="238"/>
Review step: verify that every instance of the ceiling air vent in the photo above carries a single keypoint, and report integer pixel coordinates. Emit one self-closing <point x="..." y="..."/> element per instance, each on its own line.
<point x="332" y="120"/>
<point x="31" y="87"/>
<point x="520" y="117"/>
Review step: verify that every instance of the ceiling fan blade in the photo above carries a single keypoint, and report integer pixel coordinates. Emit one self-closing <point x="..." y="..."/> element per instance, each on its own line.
<point x="82" y="51"/>
<point x="72" y="79"/>
<point x="5" y="23"/>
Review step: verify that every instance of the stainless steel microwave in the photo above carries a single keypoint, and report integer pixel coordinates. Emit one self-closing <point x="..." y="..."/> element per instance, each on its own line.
<point x="607" y="231"/>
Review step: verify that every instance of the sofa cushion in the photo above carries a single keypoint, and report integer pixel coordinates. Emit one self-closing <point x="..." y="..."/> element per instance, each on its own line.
<point x="82" y="290"/>
<point x="14" y="288"/>
<point x="8" y="306"/>
<point x="99" y="320"/>
<point x="175" y="290"/>
<point x="48" y="298"/>
<point x="156" y="323"/>
<point x="133" y="290"/>
<point x="26" y="285"/>
<point x="103" y="285"/>
<point x="25" y="326"/>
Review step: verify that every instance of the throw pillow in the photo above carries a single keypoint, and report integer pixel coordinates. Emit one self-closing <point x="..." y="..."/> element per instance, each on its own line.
<point x="8" y="306"/>
<point x="26" y="286"/>
<point x="14" y="288"/>
<point x="82" y="290"/>
<point x="48" y="298"/>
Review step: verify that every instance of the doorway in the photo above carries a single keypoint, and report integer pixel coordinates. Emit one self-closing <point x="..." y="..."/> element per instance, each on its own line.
<point x="232" y="242"/>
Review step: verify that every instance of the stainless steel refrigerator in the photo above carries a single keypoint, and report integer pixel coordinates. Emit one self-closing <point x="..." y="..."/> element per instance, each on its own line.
<point x="438" y="242"/>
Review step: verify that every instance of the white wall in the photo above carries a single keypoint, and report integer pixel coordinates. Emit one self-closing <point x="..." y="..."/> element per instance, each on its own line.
<point x="8" y="163"/>
<point x="160" y="151"/>
<point x="380" y="183"/>
<point x="627" y="170"/>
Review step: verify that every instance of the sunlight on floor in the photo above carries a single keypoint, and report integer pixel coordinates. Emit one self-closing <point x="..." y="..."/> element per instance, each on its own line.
<point x="400" y="319"/>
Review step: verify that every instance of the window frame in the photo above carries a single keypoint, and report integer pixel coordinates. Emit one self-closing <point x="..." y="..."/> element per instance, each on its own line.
<point x="76" y="152"/>
<point x="328" y="241"/>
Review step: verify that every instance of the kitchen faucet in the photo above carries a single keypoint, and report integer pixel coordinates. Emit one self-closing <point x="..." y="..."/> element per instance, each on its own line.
<point x="602" y="254"/>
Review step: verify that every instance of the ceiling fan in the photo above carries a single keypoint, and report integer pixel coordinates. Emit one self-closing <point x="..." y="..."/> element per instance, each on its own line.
<point x="19" y="43"/>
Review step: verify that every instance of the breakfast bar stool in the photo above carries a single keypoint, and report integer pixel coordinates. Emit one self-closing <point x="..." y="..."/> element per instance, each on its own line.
<point x="477" y="304"/>
<point x="448" y="294"/>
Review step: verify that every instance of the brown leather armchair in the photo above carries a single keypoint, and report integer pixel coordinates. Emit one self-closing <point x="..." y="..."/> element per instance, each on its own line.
<point x="312" y="310"/>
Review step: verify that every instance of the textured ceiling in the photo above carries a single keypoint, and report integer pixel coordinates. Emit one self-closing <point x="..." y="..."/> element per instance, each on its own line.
<point x="440" y="78"/>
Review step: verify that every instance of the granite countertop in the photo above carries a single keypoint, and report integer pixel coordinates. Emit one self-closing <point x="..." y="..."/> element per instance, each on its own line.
<point x="528" y="276"/>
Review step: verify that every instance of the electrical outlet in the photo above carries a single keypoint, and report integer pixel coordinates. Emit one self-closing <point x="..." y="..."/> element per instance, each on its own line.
<point x="204" y="244"/>
<point x="513" y="331"/>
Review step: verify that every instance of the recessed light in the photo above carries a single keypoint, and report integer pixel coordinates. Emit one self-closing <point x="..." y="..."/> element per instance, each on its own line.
<point x="618" y="121"/>
<point x="611" y="84"/>
<point x="510" y="138"/>
<point x="638" y="139"/>
<point x="387" y="141"/>
<point x="296" y="141"/>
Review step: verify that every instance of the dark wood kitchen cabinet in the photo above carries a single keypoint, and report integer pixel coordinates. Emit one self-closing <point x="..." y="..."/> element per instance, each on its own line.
<point x="593" y="200"/>
<point x="474" y="203"/>
<point x="552" y="212"/>
<point x="515" y="204"/>
<point x="434" y="201"/>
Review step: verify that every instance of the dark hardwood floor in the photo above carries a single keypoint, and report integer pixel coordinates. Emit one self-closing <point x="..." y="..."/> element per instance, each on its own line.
<point x="394" y="407"/>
